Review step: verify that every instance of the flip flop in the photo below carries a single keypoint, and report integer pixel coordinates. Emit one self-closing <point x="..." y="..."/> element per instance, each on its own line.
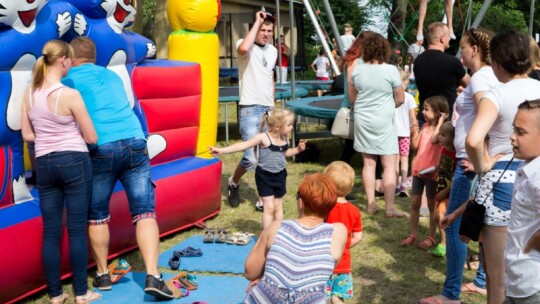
<point x="188" y="252"/>
<point x="177" y="292"/>
<point x="186" y="280"/>
<point x="118" y="270"/>
<point x="470" y="288"/>
<point x="471" y="265"/>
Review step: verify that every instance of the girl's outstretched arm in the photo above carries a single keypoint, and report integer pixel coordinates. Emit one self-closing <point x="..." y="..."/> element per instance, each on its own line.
<point x="293" y="151"/>
<point x="240" y="146"/>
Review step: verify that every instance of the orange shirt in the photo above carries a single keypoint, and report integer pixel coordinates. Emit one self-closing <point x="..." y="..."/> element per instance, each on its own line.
<point x="427" y="155"/>
<point x="350" y="216"/>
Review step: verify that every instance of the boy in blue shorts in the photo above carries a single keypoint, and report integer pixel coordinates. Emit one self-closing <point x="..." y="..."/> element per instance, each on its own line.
<point x="340" y="285"/>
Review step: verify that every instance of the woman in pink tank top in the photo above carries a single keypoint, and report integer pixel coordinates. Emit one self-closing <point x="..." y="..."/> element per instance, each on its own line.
<point x="54" y="117"/>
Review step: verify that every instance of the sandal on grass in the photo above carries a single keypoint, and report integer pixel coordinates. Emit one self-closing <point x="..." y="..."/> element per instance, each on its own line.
<point x="409" y="240"/>
<point x="89" y="297"/>
<point x="373" y="210"/>
<point x="61" y="299"/>
<point x="394" y="214"/>
<point x="429" y="242"/>
<point x="470" y="288"/>
<point x="471" y="265"/>
<point x="438" y="299"/>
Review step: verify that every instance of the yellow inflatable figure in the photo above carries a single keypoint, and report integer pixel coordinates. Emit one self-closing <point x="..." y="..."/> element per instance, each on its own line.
<point x="194" y="40"/>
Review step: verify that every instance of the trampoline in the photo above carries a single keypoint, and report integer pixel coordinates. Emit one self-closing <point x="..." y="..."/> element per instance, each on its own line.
<point x="325" y="107"/>
<point x="313" y="84"/>
<point x="232" y="94"/>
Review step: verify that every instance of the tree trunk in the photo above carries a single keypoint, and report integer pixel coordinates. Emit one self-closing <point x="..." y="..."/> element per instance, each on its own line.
<point x="161" y="29"/>
<point x="139" y="17"/>
<point x="397" y="23"/>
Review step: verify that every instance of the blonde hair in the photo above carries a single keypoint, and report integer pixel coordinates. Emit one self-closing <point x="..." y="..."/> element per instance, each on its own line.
<point x="404" y="75"/>
<point x="342" y="174"/>
<point x="535" y="53"/>
<point x="52" y="51"/>
<point x="435" y="31"/>
<point x="275" y="117"/>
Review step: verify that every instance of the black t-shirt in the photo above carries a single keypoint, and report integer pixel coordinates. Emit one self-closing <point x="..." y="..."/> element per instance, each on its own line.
<point x="437" y="73"/>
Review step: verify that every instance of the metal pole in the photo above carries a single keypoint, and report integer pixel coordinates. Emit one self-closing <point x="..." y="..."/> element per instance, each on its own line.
<point x="278" y="69"/>
<point x="531" y="18"/>
<point x="321" y="37"/>
<point x="291" y="44"/>
<point x="481" y="13"/>
<point x="333" y="25"/>
<point x="469" y="15"/>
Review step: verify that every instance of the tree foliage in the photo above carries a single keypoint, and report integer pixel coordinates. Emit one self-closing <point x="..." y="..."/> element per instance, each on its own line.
<point x="344" y="11"/>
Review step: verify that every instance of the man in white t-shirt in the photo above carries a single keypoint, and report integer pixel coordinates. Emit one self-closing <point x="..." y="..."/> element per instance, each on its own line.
<point x="347" y="39"/>
<point x="256" y="62"/>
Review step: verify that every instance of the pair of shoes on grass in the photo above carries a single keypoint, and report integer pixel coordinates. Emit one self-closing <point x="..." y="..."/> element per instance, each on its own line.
<point x="239" y="238"/>
<point x="215" y="235"/>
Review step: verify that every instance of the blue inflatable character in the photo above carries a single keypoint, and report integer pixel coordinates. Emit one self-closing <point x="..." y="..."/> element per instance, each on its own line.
<point x="25" y="27"/>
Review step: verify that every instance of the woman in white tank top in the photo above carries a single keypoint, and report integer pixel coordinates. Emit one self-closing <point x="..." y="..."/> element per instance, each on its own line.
<point x="55" y="118"/>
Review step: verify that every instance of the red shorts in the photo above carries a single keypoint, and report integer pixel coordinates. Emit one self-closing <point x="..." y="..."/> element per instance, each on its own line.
<point x="323" y="78"/>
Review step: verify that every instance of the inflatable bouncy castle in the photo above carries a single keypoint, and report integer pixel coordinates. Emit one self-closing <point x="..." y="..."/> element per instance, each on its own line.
<point x="175" y="101"/>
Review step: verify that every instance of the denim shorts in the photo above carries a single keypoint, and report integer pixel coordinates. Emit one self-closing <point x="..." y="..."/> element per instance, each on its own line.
<point x="250" y="118"/>
<point x="125" y="160"/>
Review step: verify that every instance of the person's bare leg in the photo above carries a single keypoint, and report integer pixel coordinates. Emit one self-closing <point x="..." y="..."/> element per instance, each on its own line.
<point x="336" y="300"/>
<point x="404" y="169"/>
<point x="268" y="211"/>
<point x="147" y="233"/>
<point x="238" y="173"/>
<point x="368" y="177"/>
<point x="416" y="201"/>
<point x="448" y="7"/>
<point x="422" y="10"/>
<point x="278" y="209"/>
<point x="99" y="237"/>
<point x="432" y="222"/>
<point x="493" y="242"/>
<point x="389" y="181"/>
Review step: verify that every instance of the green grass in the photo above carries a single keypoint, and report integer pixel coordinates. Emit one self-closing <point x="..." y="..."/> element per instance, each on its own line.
<point x="383" y="271"/>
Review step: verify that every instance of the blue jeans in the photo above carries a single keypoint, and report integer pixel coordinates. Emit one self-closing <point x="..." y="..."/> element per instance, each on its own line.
<point x="250" y="118"/>
<point x="64" y="177"/>
<point x="125" y="160"/>
<point x="456" y="250"/>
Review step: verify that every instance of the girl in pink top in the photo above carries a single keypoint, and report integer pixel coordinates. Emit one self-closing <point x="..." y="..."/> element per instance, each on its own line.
<point x="55" y="118"/>
<point x="435" y="113"/>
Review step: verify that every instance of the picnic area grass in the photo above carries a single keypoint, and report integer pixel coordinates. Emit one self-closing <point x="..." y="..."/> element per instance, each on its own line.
<point x="383" y="271"/>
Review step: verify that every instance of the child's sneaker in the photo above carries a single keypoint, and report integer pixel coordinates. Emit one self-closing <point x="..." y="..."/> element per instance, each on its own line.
<point x="259" y="205"/>
<point x="439" y="251"/>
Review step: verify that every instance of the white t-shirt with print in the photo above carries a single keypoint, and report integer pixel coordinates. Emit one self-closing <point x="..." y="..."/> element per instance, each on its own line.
<point x="402" y="120"/>
<point x="483" y="80"/>
<point x="255" y="70"/>
<point x="506" y="98"/>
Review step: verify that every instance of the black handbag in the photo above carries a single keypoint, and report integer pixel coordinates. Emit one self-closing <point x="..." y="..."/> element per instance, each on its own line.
<point x="472" y="220"/>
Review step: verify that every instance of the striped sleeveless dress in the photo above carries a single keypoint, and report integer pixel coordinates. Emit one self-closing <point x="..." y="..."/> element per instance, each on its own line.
<point x="298" y="265"/>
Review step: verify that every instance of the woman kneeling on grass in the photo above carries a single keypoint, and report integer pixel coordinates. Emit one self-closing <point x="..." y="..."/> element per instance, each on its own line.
<point x="293" y="259"/>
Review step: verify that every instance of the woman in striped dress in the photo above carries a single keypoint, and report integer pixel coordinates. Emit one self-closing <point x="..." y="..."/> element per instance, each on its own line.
<point x="293" y="259"/>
